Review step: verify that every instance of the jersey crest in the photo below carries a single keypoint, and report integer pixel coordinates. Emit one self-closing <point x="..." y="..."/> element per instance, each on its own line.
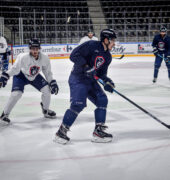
<point x="161" y="45"/>
<point x="99" y="61"/>
<point x="34" y="70"/>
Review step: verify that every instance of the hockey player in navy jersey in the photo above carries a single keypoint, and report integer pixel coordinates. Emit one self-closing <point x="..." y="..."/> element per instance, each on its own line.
<point x="90" y="59"/>
<point x="26" y="70"/>
<point x="161" y="50"/>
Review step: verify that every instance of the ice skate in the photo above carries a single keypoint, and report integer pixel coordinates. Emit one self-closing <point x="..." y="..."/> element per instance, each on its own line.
<point x="61" y="135"/>
<point x="4" y="118"/>
<point x="154" y="80"/>
<point x="100" y="136"/>
<point x="48" y="113"/>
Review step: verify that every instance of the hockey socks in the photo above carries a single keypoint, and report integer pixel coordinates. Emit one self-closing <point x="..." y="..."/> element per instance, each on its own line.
<point x="100" y="115"/>
<point x="69" y="117"/>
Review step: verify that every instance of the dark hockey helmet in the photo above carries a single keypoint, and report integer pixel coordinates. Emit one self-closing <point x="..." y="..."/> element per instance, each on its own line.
<point x="163" y="29"/>
<point x="90" y="31"/>
<point x="107" y="33"/>
<point x="34" y="43"/>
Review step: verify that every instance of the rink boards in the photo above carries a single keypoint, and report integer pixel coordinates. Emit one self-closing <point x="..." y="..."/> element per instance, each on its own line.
<point x="62" y="51"/>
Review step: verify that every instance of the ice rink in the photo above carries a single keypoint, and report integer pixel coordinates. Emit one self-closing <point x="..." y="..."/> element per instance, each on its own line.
<point x="140" y="150"/>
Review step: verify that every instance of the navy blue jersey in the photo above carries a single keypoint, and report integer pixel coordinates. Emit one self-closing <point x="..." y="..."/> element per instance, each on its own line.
<point x="162" y="44"/>
<point x="91" y="54"/>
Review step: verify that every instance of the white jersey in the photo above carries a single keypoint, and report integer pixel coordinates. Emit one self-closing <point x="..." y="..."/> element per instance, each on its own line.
<point x="86" y="38"/>
<point x="3" y="45"/>
<point x="30" y="67"/>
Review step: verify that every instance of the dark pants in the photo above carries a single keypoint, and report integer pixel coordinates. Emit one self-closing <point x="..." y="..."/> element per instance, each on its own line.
<point x="157" y="65"/>
<point x="19" y="82"/>
<point x="80" y="90"/>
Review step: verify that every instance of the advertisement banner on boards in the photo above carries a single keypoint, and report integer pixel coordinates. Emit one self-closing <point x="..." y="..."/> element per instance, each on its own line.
<point x="53" y="50"/>
<point x="144" y="48"/>
<point x="64" y="50"/>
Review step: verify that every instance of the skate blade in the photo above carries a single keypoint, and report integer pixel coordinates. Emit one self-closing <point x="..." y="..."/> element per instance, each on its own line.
<point x="60" y="140"/>
<point x="101" y="140"/>
<point x="50" y="117"/>
<point x="4" y="123"/>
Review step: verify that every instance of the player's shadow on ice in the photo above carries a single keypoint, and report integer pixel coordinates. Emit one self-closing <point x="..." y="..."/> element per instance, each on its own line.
<point x="144" y="134"/>
<point x="151" y="135"/>
<point x="33" y="123"/>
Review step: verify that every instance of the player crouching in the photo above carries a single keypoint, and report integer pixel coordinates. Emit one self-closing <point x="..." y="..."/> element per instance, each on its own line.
<point x="90" y="59"/>
<point x="26" y="70"/>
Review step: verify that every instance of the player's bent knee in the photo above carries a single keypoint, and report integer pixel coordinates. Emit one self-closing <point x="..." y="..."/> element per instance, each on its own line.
<point x="16" y="94"/>
<point x="157" y="66"/>
<point x="77" y="108"/>
<point x="102" y="101"/>
<point x="46" y="90"/>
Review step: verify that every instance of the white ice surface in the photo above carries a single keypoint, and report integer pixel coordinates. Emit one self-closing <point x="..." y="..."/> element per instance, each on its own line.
<point x="141" y="148"/>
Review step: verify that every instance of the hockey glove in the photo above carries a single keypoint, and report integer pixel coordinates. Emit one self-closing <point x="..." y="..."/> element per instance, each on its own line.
<point x="3" y="79"/>
<point x="90" y="72"/>
<point x="155" y="51"/>
<point x="109" y="85"/>
<point x="8" y="52"/>
<point x="167" y="59"/>
<point x="54" y="87"/>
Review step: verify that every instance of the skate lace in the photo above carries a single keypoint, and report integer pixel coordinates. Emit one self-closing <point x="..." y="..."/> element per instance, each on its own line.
<point x="64" y="129"/>
<point x="102" y="127"/>
<point x="4" y="116"/>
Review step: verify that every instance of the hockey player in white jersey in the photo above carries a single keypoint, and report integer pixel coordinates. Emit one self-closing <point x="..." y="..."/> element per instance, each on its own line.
<point x="90" y="36"/>
<point x="4" y="54"/>
<point x="26" y="70"/>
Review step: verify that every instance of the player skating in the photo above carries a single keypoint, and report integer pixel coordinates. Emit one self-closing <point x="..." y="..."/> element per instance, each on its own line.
<point x="90" y="59"/>
<point x="90" y="36"/>
<point x="161" y="50"/>
<point x="26" y="70"/>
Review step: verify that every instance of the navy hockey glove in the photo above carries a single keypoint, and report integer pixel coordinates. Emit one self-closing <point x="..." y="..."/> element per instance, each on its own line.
<point x="54" y="87"/>
<point x="90" y="72"/>
<point x="8" y="52"/>
<point x="167" y="59"/>
<point x="3" y="79"/>
<point x="109" y="85"/>
<point x="155" y="51"/>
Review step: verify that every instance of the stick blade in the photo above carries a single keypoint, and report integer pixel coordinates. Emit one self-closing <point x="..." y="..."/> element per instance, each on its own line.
<point x="166" y="125"/>
<point x="122" y="56"/>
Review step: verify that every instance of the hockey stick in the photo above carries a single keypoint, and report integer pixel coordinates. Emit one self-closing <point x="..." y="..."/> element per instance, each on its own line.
<point x="119" y="57"/>
<point x="165" y="59"/>
<point x="145" y="111"/>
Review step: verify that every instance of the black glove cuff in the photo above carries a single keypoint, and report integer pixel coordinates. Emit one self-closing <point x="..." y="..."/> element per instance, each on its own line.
<point x="5" y="75"/>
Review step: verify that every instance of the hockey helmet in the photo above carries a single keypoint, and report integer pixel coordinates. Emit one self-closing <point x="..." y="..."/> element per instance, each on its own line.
<point x="107" y="33"/>
<point x="90" y="31"/>
<point x="34" y="43"/>
<point x="163" y="29"/>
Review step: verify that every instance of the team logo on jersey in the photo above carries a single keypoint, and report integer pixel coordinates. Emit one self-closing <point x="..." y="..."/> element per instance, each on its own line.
<point x="99" y="61"/>
<point x="34" y="70"/>
<point x="161" y="45"/>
